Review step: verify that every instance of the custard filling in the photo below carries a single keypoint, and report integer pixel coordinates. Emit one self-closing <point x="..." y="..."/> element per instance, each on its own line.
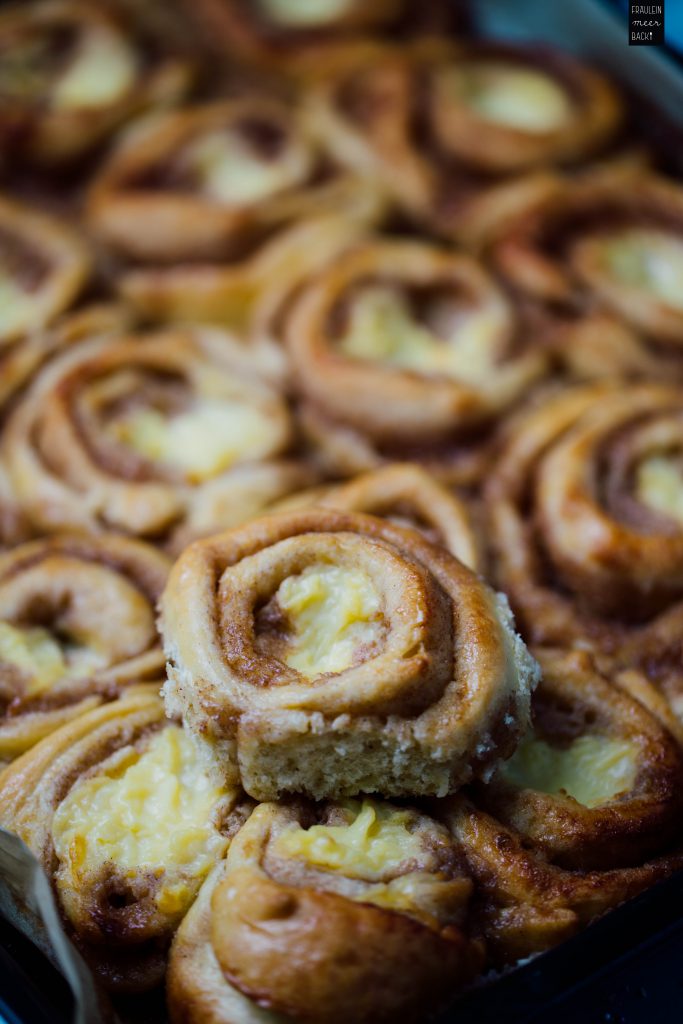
<point x="382" y="329"/>
<point x="593" y="769"/>
<point x="647" y="259"/>
<point x="42" y="660"/>
<point x="232" y="171"/>
<point x="333" y="612"/>
<point x="154" y="811"/>
<point x="511" y="96"/>
<point x="659" y="485"/>
<point x="375" y="842"/>
<point x="102" y="70"/>
<point x="304" y="13"/>
<point x="202" y="441"/>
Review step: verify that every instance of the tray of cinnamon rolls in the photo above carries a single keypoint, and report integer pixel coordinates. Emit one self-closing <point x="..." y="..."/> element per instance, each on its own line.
<point x="341" y="505"/>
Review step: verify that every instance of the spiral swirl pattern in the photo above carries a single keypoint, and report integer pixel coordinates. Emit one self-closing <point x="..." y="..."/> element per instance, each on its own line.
<point x="70" y="74"/>
<point x="586" y="526"/>
<point x="401" y="346"/>
<point x="76" y="625"/>
<point x="601" y="264"/>
<point x="144" y="434"/>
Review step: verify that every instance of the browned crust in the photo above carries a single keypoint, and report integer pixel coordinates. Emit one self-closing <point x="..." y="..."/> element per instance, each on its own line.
<point x="276" y="942"/>
<point x="127" y="955"/>
<point x="143" y="178"/>
<point x="524" y="904"/>
<point x="409" y="496"/>
<point x="290" y="949"/>
<point x="51" y="264"/>
<point x="381" y="109"/>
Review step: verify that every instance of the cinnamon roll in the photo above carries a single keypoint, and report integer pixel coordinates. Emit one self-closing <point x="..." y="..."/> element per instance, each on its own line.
<point x="585" y="815"/>
<point x="43" y="267"/>
<point x="602" y="266"/>
<point x="335" y="912"/>
<point x="127" y="825"/>
<point x="70" y="74"/>
<point x="502" y="108"/>
<point x="302" y="37"/>
<point x="213" y="181"/>
<point x="332" y="653"/>
<point x="586" y="527"/>
<point x="142" y="434"/>
<point x="596" y="782"/>
<point x="77" y="623"/>
<point x="408" y="496"/>
<point x="405" y="350"/>
<point x="463" y="137"/>
<point x="527" y="904"/>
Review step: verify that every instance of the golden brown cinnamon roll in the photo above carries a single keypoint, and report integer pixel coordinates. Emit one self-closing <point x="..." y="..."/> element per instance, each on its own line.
<point x="333" y="653"/>
<point x="43" y="266"/>
<point x="463" y="137"/>
<point x="144" y="433"/>
<point x="584" y="815"/>
<point x="502" y="108"/>
<point x="527" y="903"/>
<point x="602" y="264"/>
<point x="408" y="496"/>
<point x="402" y="349"/>
<point x="586" y="527"/>
<point x="596" y="782"/>
<point x="213" y="181"/>
<point x="127" y="825"/>
<point x="77" y="623"/>
<point x="335" y="912"/>
<point x="70" y="74"/>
